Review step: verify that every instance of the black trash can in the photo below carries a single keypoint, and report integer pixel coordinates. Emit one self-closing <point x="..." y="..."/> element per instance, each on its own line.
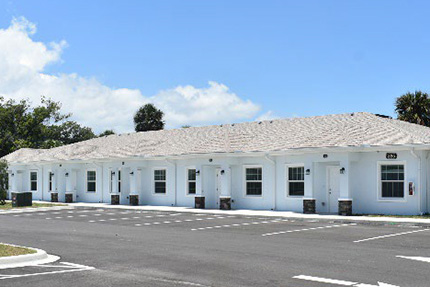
<point x="20" y="199"/>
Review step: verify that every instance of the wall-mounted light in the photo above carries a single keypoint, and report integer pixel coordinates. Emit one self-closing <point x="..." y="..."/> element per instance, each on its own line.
<point x="131" y="173"/>
<point x="308" y="171"/>
<point x="123" y="163"/>
<point x="52" y="174"/>
<point x="197" y="172"/>
<point x="325" y="155"/>
<point x="222" y="171"/>
<point x="61" y="165"/>
<point x="210" y="160"/>
<point x="342" y="170"/>
<point x="67" y="174"/>
<point x="12" y="174"/>
<point x="112" y="173"/>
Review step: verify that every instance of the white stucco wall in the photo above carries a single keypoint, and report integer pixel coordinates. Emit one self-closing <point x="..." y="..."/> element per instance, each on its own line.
<point x="361" y="176"/>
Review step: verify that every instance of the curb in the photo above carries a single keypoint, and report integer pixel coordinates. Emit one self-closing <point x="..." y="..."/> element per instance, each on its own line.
<point x="40" y="257"/>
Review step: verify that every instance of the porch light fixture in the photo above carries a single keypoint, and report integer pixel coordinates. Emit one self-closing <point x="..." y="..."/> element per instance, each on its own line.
<point x="197" y="172"/>
<point x="325" y="155"/>
<point x="222" y="172"/>
<point x="67" y="174"/>
<point x="112" y="173"/>
<point x="342" y="170"/>
<point x="308" y="171"/>
<point x="12" y="174"/>
<point x="131" y="173"/>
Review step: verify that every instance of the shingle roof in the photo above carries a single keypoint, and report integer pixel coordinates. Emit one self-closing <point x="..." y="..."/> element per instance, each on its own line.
<point x="340" y="130"/>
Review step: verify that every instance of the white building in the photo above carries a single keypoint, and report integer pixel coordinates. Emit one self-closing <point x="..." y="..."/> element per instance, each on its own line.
<point x="346" y="163"/>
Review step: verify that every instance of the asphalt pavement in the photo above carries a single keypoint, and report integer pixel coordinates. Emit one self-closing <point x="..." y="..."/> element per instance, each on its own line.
<point x="117" y="247"/>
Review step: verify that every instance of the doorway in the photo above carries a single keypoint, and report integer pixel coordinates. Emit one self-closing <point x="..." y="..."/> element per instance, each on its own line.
<point x="333" y="188"/>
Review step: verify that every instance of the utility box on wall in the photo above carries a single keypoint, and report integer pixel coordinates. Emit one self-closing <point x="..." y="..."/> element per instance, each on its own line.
<point x="20" y="199"/>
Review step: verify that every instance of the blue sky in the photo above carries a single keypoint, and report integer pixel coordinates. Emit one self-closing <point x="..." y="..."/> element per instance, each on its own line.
<point x="292" y="58"/>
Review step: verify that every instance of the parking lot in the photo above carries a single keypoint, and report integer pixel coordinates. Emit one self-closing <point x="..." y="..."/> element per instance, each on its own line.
<point x="118" y="247"/>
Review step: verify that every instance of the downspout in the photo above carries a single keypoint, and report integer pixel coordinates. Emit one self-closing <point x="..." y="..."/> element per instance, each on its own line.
<point x="176" y="179"/>
<point x="266" y="156"/>
<point x="103" y="179"/>
<point x="419" y="180"/>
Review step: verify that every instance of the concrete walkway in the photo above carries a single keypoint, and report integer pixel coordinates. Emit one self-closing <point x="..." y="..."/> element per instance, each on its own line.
<point x="268" y="213"/>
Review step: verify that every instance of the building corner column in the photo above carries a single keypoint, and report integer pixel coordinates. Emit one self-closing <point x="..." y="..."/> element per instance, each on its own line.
<point x="133" y="195"/>
<point x="225" y="195"/>
<point x="199" y="198"/>
<point x="309" y="201"/>
<point x="345" y="199"/>
<point x="114" y="197"/>
<point x="69" y="194"/>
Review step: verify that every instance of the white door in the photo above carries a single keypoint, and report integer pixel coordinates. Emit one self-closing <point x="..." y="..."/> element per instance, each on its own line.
<point x="218" y="187"/>
<point x="333" y="188"/>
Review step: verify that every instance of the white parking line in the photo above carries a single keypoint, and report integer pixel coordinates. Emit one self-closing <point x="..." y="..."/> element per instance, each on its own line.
<point x="239" y="224"/>
<point x="390" y="235"/>
<point x="307" y="229"/>
<point x="70" y="267"/>
<point x="325" y="280"/>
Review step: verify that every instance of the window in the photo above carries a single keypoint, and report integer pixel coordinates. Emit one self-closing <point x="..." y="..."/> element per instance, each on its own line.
<point x="119" y="181"/>
<point x="393" y="180"/>
<point x="91" y="180"/>
<point x="296" y="181"/>
<point x="33" y="180"/>
<point x="160" y="181"/>
<point x="254" y="181"/>
<point x="191" y="182"/>
<point x="51" y="175"/>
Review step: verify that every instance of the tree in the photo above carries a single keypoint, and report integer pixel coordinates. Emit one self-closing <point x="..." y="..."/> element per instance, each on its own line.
<point x="148" y="118"/>
<point x="71" y="132"/>
<point x="414" y="108"/>
<point x="3" y="181"/>
<point x="106" y="133"/>
<point x="43" y="126"/>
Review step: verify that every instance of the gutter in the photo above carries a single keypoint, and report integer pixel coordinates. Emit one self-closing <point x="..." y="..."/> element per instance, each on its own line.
<point x="266" y="156"/>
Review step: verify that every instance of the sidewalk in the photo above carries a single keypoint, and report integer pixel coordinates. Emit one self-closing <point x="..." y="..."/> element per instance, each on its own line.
<point x="268" y="213"/>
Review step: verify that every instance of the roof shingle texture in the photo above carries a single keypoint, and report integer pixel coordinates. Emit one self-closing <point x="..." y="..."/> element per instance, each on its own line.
<point x="341" y="130"/>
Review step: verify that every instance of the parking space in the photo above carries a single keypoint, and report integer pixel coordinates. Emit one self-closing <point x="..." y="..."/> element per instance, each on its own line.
<point x="298" y="251"/>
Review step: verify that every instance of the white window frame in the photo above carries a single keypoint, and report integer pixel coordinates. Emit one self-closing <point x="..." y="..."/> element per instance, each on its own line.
<point x="245" y="167"/>
<point x="86" y="181"/>
<point x="119" y="178"/>
<point x="287" y="182"/>
<point x="37" y="180"/>
<point x="50" y="181"/>
<point x="187" y="181"/>
<point x="154" y="181"/>
<point x="379" y="182"/>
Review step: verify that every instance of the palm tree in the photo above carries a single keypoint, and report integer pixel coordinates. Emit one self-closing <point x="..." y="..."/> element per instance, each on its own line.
<point x="414" y="108"/>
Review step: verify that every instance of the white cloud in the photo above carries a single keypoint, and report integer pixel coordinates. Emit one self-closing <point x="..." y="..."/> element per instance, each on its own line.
<point x="22" y="65"/>
<point x="187" y="105"/>
<point x="269" y="115"/>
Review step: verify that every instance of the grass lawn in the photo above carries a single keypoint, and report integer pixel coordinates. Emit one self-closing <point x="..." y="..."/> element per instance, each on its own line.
<point x="7" y="250"/>
<point x="8" y="205"/>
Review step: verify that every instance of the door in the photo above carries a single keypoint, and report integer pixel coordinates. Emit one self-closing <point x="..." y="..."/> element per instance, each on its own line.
<point x="333" y="188"/>
<point x="218" y="187"/>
